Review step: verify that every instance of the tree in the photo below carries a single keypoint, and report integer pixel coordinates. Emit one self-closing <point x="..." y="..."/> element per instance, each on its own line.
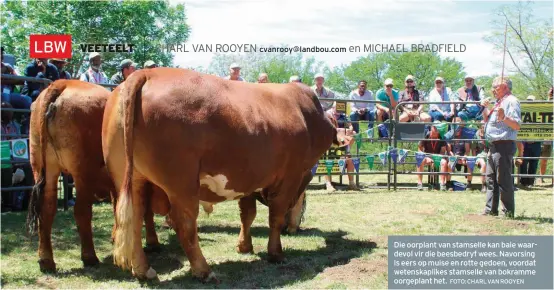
<point x="149" y="25"/>
<point x="529" y="47"/>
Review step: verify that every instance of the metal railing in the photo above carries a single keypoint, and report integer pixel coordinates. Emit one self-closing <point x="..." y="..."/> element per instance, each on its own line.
<point x="454" y="139"/>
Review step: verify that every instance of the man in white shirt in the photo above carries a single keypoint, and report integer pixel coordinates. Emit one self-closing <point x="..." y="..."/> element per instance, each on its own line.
<point x="234" y="73"/>
<point x="441" y="94"/>
<point x="323" y="92"/>
<point x="362" y="111"/>
<point x="94" y="74"/>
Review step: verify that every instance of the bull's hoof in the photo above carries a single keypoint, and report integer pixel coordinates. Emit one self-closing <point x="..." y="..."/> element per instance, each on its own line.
<point x="211" y="277"/>
<point x="90" y="261"/>
<point x="276" y="258"/>
<point x="47" y="266"/>
<point x="290" y="230"/>
<point x="245" y="249"/>
<point x="153" y="248"/>
<point x="149" y="275"/>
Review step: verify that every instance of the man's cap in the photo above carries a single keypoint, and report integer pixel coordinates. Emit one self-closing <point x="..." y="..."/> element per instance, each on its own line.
<point x="410" y="77"/>
<point x="294" y="78"/>
<point x="126" y="63"/>
<point x="388" y="82"/>
<point x="93" y="55"/>
<point x="149" y="64"/>
<point x="319" y="76"/>
<point x="469" y="77"/>
<point x="531" y="98"/>
<point x="234" y="66"/>
<point x="58" y="60"/>
<point x="439" y="79"/>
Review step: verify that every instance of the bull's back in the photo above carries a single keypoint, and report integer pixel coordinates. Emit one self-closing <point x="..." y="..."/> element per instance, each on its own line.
<point x="259" y="131"/>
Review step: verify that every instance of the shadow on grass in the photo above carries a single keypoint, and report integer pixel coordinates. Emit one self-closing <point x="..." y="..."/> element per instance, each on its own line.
<point x="538" y="220"/>
<point x="300" y="265"/>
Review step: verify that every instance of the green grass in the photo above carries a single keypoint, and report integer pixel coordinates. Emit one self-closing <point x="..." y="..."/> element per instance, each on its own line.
<point x="343" y="243"/>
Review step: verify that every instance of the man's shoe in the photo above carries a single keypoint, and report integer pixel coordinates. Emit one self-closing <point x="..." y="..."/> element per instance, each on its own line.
<point x="443" y="187"/>
<point x="419" y="186"/>
<point x="330" y="187"/>
<point x="488" y="213"/>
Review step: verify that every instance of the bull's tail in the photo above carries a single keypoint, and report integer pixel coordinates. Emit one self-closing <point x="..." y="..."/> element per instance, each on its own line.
<point x="45" y="112"/>
<point x="124" y="237"/>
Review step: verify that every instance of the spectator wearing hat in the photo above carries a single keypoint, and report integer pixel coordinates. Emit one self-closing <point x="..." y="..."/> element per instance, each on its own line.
<point x="546" y="146"/>
<point x="95" y="74"/>
<point x="323" y="92"/>
<point x="38" y="68"/>
<point x="441" y="111"/>
<point x="529" y="166"/>
<point x="412" y="112"/>
<point x="390" y="97"/>
<point x="234" y="73"/>
<point x="361" y="111"/>
<point x="16" y="100"/>
<point x="295" y="79"/>
<point x="60" y="63"/>
<point x="126" y="68"/>
<point x="263" y="78"/>
<point x="150" y="64"/>
<point x="470" y="93"/>
<point x="502" y="125"/>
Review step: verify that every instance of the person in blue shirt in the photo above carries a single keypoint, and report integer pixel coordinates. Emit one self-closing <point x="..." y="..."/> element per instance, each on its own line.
<point x="39" y="68"/>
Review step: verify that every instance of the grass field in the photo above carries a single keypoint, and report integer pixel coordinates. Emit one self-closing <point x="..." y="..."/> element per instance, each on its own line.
<point x="343" y="243"/>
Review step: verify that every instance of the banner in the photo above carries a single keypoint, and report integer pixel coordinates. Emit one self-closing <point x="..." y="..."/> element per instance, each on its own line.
<point x="358" y="138"/>
<point x="441" y="127"/>
<point x="6" y="154"/>
<point x="402" y="154"/>
<point x="419" y="156"/>
<point x="471" y="163"/>
<point x="342" y="164"/>
<point x="383" y="157"/>
<point x="369" y="133"/>
<point x="437" y="160"/>
<point x="452" y="160"/>
<point x="356" y="162"/>
<point x="340" y="106"/>
<point x="20" y="149"/>
<point x="536" y="113"/>
<point x="370" y="159"/>
<point x="329" y="165"/>
<point x="394" y="155"/>
<point x="314" y="169"/>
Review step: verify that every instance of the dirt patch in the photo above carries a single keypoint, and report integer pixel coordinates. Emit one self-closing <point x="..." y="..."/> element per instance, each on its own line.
<point x="427" y="212"/>
<point x="357" y="269"/>
<point x="47" y="282"/>
<point x="497" y="220"/>
<point x="381" y="241"/>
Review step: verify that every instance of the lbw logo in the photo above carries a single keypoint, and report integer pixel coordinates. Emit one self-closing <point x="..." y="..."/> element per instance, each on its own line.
<point x="60" y="46"/>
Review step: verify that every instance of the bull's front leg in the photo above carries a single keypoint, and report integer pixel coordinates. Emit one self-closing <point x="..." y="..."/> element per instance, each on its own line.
<point x="247" y="207"/>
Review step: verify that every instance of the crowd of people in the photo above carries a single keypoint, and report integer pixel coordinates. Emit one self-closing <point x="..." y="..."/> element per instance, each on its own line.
<point x="364" y="105"/>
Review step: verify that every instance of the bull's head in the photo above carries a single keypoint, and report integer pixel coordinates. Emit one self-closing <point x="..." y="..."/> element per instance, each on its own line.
<point x="343" y="137"/>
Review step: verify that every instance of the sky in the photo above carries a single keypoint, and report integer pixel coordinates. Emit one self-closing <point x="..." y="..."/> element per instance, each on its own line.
<point x="344" y="23"/>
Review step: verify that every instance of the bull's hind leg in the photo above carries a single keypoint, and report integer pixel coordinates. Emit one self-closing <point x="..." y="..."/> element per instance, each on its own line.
<point x="184" y="213"/>
<point x="278" y="207"/>
<point x="83" y="217"/>
<point x="47" y="213"/>
<point x="247" y="207"/>
<point x="152" y="243"/>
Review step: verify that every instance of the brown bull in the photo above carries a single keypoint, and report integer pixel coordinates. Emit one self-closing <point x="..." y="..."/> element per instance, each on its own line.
<point x="65" y="136"/>
<point x="204" y="139"/>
